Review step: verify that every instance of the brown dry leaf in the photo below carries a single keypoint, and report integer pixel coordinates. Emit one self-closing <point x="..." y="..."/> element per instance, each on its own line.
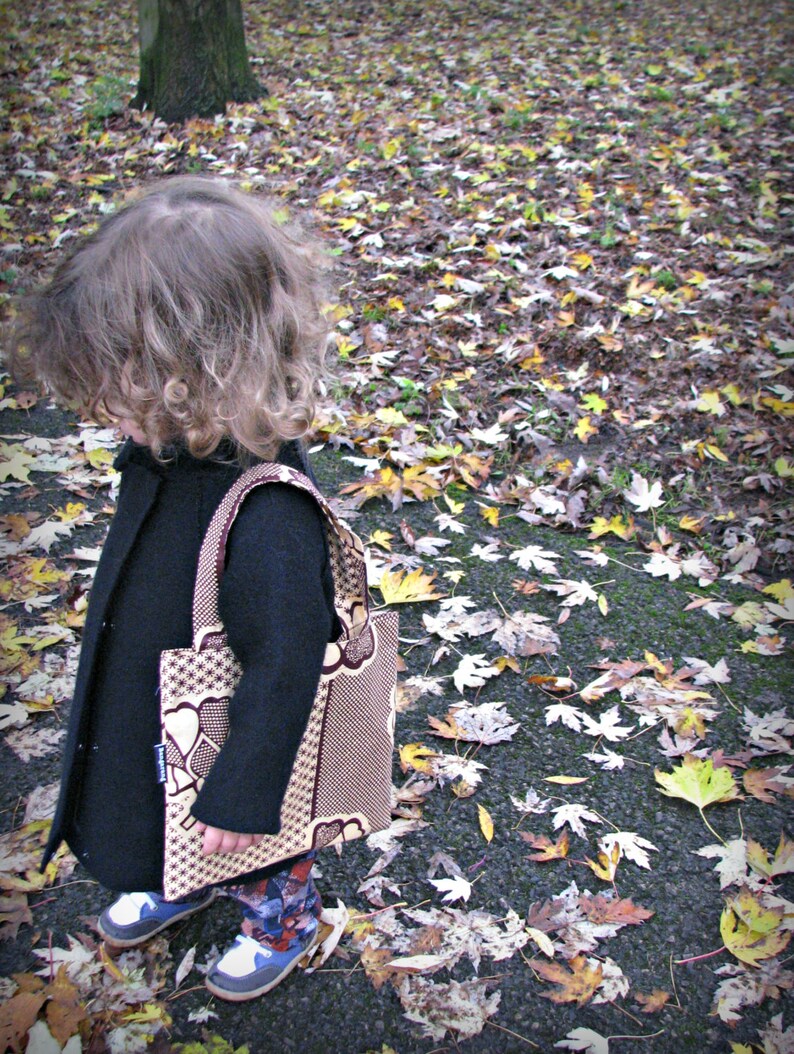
<point x="548" y="850"/>
<point x="764" y="784"/>
<point x="17" y="1016"/>
<point x="14" y="912"/>
<point x="576" y="985"/>
<point x="654" y="1002"/>
<point x="65" y="1010"/>
<point x="602" y="910"/>
<point x="375" y="962"/>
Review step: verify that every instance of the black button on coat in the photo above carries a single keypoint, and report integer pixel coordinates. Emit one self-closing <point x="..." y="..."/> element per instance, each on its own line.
<point x="276" y="602"/>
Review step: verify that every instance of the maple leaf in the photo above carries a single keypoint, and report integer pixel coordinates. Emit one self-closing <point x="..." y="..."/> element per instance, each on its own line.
<point x="472" y="672"/>
<point x="661" y="565"/>
<point x="488" y="552"/>
<point x="698" y="782"/>
<point x="607" y="864"/>
<point x="575" y="815"/>
<point x="487" y="723"/>
<point x="748" y="987"/>
<point x="535" y="556"/>
<point x="548" y="850"/>
<point x="732" y="860"/>
<point x="418" y="757"/>
<point x="400" y="588"/>
<point x="624" y="529"/>
<point x="459" y="1007"/>
<point x="456" y="888"/>
<point x="577" y="982"/>
<point x="584" y="1040"/>
<point x="764" y="784"/>
<point x="633" y="847"/>
<point x="642" y="496"/>
<point x="653" y="1002"/>
<point x="617" y="675"/>
<point x="575" y="593"/>
<point x="609" y="760"/>
<point x="706" y="674"/>
<point x="605" y="909"/>
<point x="606" y="726"/>
<point x="525" y="633"/>
<point x="570" y="716"/>
<point x="781" y="863"/>
<point x="752" y="931"/>
<point x="532" y="802"/>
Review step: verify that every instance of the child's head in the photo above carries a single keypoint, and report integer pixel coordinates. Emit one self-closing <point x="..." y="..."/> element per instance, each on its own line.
<point x="192" y="313"/>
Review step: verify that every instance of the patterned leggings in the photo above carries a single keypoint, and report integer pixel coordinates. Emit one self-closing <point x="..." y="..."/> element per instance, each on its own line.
<point x="278" y="910"/>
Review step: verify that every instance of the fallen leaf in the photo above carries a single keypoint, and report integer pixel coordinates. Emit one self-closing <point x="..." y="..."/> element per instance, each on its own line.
<point x="577" y="982"/>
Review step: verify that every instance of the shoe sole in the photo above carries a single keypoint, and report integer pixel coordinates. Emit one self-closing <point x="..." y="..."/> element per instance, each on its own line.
<point x="254" y="993"/>
<point x="133" y="942"/>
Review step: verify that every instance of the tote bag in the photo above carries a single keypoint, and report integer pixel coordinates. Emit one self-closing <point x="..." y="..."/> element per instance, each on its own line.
<point x="340" y="786"/>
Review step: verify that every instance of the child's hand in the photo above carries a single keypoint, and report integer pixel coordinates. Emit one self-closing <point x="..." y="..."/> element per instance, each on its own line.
<point x="219" y="841"/>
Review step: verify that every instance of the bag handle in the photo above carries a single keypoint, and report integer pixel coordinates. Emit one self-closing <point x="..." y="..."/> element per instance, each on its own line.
<point x="351" y="599"/>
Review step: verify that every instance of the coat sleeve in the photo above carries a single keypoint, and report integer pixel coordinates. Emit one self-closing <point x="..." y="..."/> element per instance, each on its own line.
<point x="278" y="616"/>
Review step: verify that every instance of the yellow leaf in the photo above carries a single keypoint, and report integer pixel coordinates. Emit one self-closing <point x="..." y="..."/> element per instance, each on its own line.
<point x="390" y="417"/>
<point x="710" y="403"/>
<point x="698" y="782"/>
<point x="418" y="757"/>
<point x="455" y="507"/>
<point x="398" y="587"/>
<point x="486" y="823"/>
<point x="780" y="590"/>
<point x="751" y="931"/>
<point x="583" y="260"/>
<point x="14" y="462"/>
<point x="607" y="863"/>
<point x="489" y="513"/>
<point x="711" y="450"/>
<point x="382" y="539"/>
<point x="691" y="523"/>
<point x="594" y="403"/>
<point x="395" y="303"/>
<point x="584" y="429"/>
<point x="624" y="529"/>
<point x="566" y="780"/>
<point x="782" y="863"/>
<point x="99" y="458"/>
<point x="391" y="148"/>
<point x="733" y="394"/>
<point x="603" y="604"/>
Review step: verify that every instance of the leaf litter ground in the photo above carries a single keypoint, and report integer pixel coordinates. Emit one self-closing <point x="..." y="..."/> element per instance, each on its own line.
<point x="563" y="332"/>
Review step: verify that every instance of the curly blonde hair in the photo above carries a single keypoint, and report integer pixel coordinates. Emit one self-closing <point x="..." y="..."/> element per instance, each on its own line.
<point x="191" y="312"/>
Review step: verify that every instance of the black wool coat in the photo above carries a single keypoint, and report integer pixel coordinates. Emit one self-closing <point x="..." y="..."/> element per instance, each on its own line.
<point x="276" y="602"/>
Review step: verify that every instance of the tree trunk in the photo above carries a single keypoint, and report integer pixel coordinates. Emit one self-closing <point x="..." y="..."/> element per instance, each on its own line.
<point x="192" y="58"/>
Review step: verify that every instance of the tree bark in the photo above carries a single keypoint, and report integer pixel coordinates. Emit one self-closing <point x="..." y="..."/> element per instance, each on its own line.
<point x="193" y="58"/>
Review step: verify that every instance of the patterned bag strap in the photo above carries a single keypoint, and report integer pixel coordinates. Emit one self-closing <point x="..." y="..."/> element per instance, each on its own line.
<point x="351" y="599"/>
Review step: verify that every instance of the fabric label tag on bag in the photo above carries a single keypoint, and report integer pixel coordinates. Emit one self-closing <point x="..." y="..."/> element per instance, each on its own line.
<point x="159" y="760"/>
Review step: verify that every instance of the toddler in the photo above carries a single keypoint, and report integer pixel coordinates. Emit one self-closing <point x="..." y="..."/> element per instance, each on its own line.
<point x="193" y="320"/>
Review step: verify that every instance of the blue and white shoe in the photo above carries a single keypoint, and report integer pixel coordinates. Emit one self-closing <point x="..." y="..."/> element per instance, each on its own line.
<point x="135" y="917"/>
<point x="249" y="969"/>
